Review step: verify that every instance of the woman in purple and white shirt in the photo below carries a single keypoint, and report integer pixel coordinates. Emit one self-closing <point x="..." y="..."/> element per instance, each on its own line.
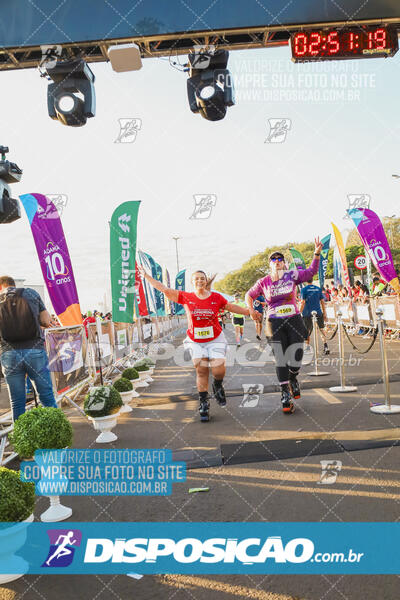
<point x="285" y="328"/>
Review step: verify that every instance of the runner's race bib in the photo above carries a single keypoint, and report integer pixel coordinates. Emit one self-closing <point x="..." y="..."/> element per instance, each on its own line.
<point x="286" y="310"/>
<point x="203" y="333"/>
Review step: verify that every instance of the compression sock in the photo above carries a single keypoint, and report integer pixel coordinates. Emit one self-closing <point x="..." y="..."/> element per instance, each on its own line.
<point x="218" y="382"/>
<point x="203" y="396"/>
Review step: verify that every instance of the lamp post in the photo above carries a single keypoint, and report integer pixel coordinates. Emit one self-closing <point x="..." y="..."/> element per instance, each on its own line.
<point x="176" y="238"/>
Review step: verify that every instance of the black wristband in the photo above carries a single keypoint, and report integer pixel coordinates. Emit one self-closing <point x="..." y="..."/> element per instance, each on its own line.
<point x="315" y="254"/>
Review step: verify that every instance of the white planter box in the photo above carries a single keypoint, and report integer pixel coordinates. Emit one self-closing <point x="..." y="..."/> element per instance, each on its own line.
<point x="126" y="398"/>
<point x="104" y="425"/>
<point x="56" y="511"/>
<point x="135" y="383"/>
<point x="143" y="376"/>
<point x="13" y="538"/>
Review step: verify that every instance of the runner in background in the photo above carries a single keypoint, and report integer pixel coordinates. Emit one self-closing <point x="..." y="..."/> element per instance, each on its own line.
<point x="222" y="318"/>
<point x="285" y="326"/>
<point x="312" y="298"/>
<point x="205" y="340"/>
<point x="238" y="320"/>
<point x="258" y="305"/>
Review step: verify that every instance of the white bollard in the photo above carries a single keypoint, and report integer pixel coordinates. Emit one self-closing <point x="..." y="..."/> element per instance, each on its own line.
<point x="342" y="388"/>
<point x="56" y="511"/>
<point x="317" y="372"/>
<point x="388" y="408"/>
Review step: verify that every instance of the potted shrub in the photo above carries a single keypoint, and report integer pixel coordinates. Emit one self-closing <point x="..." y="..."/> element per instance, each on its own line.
<point x="143" y="370"/>
<point x="130" y="373"/>
<point x="39" y="429"/>
<point x="125" y="389"/>
<point x="17" y="500"/>
<point x="150" y="361"/>
<point x="102" y="405"/>
<point x="147" y="360"/>
<point x="133" y="376"/>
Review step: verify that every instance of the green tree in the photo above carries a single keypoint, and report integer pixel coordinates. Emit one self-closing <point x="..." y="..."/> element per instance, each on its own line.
<point x="257" y="266"/>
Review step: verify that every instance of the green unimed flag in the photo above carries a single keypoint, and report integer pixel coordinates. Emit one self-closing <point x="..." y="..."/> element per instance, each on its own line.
<point x="123" y="233"/>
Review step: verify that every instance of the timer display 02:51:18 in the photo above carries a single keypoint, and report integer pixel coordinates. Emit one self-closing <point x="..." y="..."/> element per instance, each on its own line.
<point x="350" y="42"/>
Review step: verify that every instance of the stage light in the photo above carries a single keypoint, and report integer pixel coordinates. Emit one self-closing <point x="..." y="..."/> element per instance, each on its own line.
<point x="70" y="78"/>
<point x="210" y="85"/>
<point x="9" y="173"/>
<point x="207" y="92"/>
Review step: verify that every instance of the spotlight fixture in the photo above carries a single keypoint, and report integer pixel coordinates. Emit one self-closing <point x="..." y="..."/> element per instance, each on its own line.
<point x="71" y="77"/>
<point x="210" y="84"/>
<point x="9" y="173"/>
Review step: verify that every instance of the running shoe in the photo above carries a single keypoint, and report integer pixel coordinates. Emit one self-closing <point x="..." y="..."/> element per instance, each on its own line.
<point x="204" y="410"/>
<point x="295" y="388"/>
<point x="326" y="349"/>
<point x="258" y="337"/>
<point x="219" y="394"/>
<point x="287" y="404"/>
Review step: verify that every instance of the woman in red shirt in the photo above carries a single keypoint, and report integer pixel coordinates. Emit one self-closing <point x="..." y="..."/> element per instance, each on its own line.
<point x="205" y="340"/>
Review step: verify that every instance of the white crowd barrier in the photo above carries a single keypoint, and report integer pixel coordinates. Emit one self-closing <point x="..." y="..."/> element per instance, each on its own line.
<point x="75" y="360"/>
<point x="363" y="314"/>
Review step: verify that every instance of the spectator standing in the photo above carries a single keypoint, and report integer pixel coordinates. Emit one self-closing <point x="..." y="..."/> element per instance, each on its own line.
<point x="327" y="293"/>
<point x="88" y="319"/>
<point x="377" y="287"/>
<point x="335" y="295"/>
<point x="22" y="351"/>
<point x="362" y="292"/>
<point x="313" y="300"/>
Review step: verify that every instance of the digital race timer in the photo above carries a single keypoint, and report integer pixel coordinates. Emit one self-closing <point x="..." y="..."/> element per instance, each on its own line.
<point x="344" y="42"/>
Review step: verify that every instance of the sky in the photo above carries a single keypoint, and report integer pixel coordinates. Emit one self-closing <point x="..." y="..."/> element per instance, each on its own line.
<point x="343" y="139"/>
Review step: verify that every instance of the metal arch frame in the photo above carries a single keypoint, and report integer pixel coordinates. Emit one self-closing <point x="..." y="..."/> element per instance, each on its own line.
<point x="177" y="43"/>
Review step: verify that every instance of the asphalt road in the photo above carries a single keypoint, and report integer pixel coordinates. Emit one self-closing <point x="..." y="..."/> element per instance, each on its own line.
<point x="281" y="485"/>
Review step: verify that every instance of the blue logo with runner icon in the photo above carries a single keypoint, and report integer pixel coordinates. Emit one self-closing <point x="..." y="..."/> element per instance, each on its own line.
<point x="62" y="547"/>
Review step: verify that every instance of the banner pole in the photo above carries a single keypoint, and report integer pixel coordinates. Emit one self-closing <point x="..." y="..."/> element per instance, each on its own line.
<point x="99" y="356"/>
<point x="316" y="373"/>
<point x="387" y="408"/>
<point x="342" y="388"/>
<point x="369" y="282"/>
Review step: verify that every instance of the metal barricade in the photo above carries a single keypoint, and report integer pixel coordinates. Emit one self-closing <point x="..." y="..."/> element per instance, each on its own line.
<point x="342" y="388"/>
<point x="387" y="408"/>
<point x="316" y="372"/>
<point x="363" y="314"/>
<point x="330" y="313"/>
<point x="390" y="311"/>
